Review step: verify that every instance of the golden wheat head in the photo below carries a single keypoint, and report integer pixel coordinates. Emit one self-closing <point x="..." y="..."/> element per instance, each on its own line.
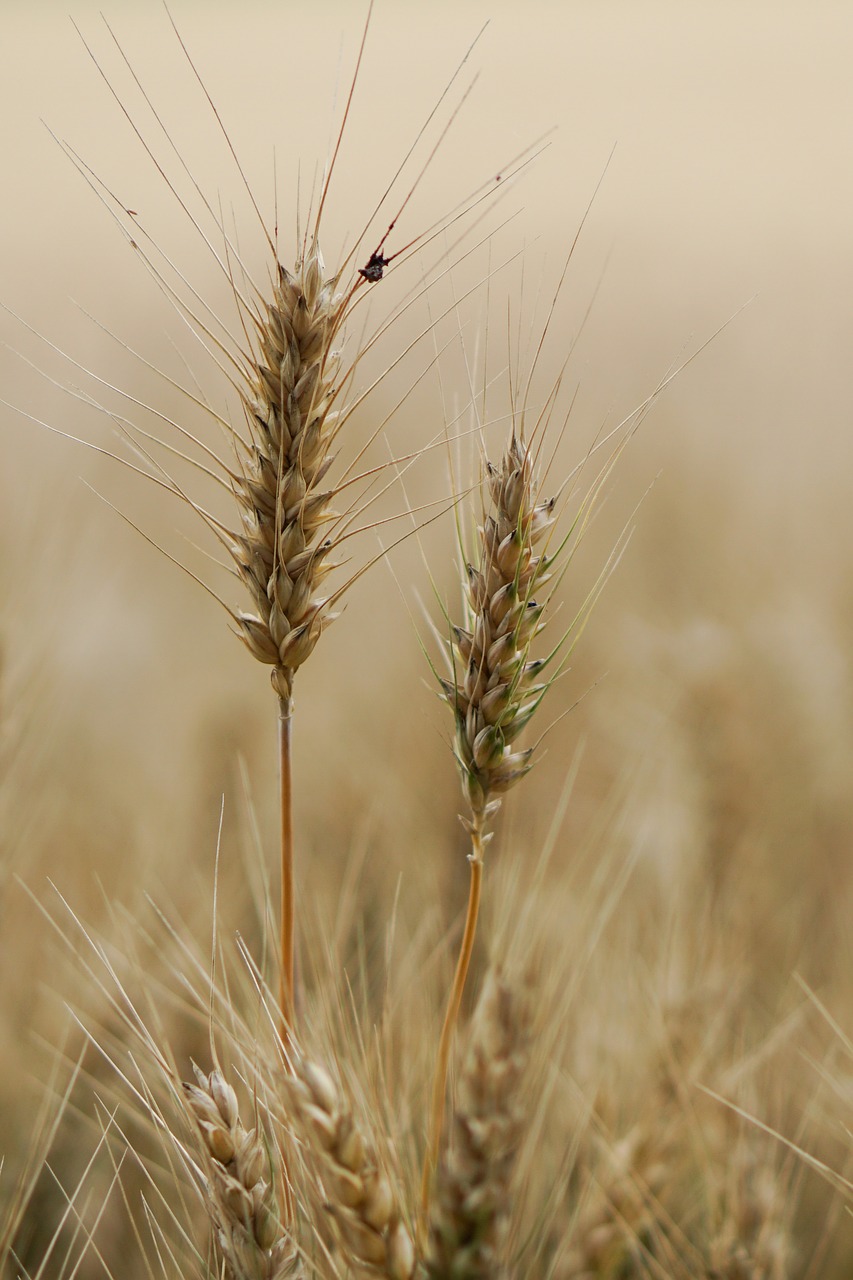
<point x="282" y="553"/>
<point x="241" y="1196"/>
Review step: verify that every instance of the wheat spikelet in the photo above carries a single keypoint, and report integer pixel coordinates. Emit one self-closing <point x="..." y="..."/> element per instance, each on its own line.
<point x="242" y="1203"/>
<point x="493" y="691"/>
<point x="359" y="1195"/>
<point x="469" y="1219"/>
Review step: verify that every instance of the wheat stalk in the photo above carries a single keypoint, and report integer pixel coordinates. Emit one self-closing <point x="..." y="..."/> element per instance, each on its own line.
<point x="284" y="550"/>
<point x="470" y="1215"/>
<point x="493" y="693"/>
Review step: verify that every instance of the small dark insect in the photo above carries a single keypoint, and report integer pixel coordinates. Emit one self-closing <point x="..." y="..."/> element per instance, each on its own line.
<point x="375" y="267"/>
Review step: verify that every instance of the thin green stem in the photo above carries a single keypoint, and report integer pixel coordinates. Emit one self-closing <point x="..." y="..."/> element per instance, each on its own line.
<point x="439" y="1087"/>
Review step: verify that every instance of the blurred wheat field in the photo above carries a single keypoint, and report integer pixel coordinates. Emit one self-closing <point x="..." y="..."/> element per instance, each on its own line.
<point x="689" y="927"/>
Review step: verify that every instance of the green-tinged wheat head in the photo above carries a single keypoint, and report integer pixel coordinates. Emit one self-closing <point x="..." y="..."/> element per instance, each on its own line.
<point x="494" y="691"/>
<point x="239" y="1184"/>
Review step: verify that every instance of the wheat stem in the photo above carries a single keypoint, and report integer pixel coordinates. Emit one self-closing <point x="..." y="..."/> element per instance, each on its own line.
<point x="288" y="913"/>
<point x="439" y="1086"/>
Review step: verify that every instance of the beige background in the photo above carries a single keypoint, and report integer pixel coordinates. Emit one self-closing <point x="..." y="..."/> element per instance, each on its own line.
<point x="730" y="183"/>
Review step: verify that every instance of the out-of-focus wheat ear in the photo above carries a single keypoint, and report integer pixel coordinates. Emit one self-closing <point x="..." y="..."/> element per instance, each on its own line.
<point x="752" y="1240"/>
<point x="357" y="1191"/>
<point x="472" y="1197"/>
<point x="253" y="1243"/>
<point x="622" y="1230"/>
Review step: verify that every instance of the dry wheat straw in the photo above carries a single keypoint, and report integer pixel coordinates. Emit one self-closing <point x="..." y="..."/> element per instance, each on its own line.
<point x="241" y="1195"/>
<point x="472" y="1203"/>
<point x="364" y="1205"/>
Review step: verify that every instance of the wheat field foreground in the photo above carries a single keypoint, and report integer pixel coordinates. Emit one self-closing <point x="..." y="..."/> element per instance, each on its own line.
<point x="426" y="731"/>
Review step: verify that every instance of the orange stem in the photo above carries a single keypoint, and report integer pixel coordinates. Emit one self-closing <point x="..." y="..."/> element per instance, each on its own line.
<point x="286" y="989"/>
<point x="439" y="1087"/>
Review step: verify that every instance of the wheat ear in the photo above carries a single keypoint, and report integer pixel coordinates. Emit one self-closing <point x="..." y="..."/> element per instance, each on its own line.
<point x="752" y="1240"/>
<point x="470" y="1215"/>
<point x="241" y="1196"/>
<point x="359" y="1195"/>
<point x="493" y="693"/>
<point x="624" y="1230"/>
